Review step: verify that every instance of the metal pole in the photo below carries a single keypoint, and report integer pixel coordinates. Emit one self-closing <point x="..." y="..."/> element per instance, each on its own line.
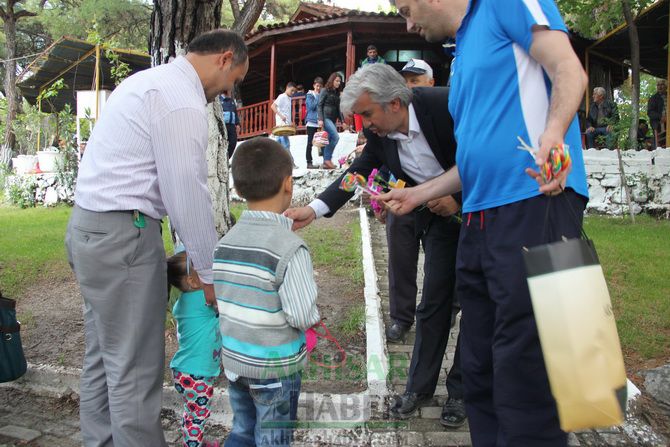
<point x="97" y="82"/>
<point x="588" y="82"/>
<point x="272" y="86"/>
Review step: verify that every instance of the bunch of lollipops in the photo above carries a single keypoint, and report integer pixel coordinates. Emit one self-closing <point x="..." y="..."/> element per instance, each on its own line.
<point x="373" y="186"/>
<point x="559" y="160"/>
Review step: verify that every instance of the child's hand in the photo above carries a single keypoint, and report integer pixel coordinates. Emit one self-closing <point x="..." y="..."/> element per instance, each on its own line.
<point x="210" y="296"/>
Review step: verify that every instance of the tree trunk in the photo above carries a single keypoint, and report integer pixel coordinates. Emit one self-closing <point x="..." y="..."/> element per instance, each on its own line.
<point x="173" y="26"/>
<point x="248" y="16"/>
<point x="635" y="96"/>
<point x="9" y="25"/>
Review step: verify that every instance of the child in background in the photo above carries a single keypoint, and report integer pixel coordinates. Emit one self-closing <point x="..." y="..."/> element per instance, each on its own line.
<point x="197" y="361"/>
<point x="266" y="294"/>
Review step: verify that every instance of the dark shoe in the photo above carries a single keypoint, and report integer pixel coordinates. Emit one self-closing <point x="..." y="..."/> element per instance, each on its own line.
<point x="405" y="405"/>
<point x="329" y="165"/>
<point x="453" y="413"/>
<point x="312" y="166"/>
<point x="396" y="332"/>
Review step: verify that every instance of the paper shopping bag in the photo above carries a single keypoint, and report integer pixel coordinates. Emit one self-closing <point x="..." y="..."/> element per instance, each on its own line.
<point x="578" y="333"/>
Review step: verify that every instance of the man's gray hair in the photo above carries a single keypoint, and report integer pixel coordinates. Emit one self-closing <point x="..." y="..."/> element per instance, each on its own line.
<point x="599" y="91"/>
<point x="380" y="81"/>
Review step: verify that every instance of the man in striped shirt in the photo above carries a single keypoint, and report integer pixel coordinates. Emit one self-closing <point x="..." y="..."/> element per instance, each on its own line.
<point x="145" y="160"/>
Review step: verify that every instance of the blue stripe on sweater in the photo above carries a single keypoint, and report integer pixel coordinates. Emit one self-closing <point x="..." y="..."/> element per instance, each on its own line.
<point x="244" y="286"/>
<point x="264" y="352"/>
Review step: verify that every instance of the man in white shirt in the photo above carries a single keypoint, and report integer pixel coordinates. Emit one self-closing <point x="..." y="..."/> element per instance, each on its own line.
<point x="145" y="160"/>
<point x="283" y="112"/>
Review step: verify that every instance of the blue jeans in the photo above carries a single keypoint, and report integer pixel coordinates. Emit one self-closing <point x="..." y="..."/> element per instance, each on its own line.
<point x="333" y="138"/>
<point x="264" y="411"/>
<point x="284" y="141"/>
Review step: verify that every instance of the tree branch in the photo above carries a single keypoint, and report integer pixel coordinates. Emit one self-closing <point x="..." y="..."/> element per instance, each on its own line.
<point x="24" y="13"/>
<point x="235" y="7"/>
<point x="3" y="14"/>
<point x="248" y="16"/>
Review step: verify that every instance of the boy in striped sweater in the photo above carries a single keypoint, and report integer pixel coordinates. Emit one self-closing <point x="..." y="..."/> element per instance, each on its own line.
<point x="266" y="295"/>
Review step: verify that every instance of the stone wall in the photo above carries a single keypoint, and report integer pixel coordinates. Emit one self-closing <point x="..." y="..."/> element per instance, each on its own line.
<point x="647" y="174"/>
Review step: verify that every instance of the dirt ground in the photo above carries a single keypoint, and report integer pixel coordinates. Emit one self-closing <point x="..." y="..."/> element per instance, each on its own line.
<point x="53" y="332"/>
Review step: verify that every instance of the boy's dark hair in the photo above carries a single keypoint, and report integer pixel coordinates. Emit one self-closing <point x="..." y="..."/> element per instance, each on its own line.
<point x="176" y="271"/>
<point x="259" y="167"/>
<point x="218" y="41"/>
<point x="318" y="80"/>
<point x="290" y="84"/>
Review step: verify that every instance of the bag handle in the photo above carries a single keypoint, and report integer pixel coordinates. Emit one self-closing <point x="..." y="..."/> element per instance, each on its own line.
<point x="572" y="213"/>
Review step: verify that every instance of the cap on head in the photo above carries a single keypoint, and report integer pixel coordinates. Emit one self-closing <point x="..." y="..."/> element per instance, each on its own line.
<point x="417" y="66"/>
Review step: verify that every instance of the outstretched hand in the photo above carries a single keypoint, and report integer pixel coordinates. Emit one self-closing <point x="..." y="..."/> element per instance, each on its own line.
<point x="301" y="217"/>
<point x="399" y="201"/>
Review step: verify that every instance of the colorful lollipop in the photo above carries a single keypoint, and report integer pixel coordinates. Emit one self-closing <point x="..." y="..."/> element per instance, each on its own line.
<point x="349" y="182"/>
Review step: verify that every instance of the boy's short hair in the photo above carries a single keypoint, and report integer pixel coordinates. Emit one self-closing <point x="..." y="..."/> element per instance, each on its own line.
<point x="259" y="167"/>
<point x="176" y="271"/>
<point x="318" y="80"/>
<point x="290" y="84"/>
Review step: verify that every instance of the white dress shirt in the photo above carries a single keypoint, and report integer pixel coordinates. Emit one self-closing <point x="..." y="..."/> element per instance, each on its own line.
<point x="147" y="152"/>
<point x="416" y="158"/>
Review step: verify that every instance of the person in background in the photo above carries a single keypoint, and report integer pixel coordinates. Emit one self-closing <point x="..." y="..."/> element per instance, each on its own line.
<point x="644" y="140"/>
<point x="602" y="116"/>
<point x="197" y="362"/>
<point x="657" y="109"/>
<point x="231" y="119"/>
<point x="146" y="159"/>
<point x="266" y="291"/>
<point x="328" y="114"/>
<point x="373" y="57"/>
<point x="312" y="117"/>
<point x="299" y="91"/>
<point x="282" y="107"/>
<point x="418" y="73"/>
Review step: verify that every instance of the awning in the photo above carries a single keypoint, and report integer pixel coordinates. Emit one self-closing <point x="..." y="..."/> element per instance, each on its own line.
<point x="74" y="61"/>
<point x="652" y="24"/>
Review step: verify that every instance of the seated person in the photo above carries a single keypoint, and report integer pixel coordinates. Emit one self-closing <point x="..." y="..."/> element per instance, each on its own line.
<point x="644" y="140"/>
<point x="602" y="116"/>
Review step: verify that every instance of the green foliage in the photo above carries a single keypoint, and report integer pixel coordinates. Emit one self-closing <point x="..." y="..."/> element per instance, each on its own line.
<point x="27" y="126"/>
<point x="622" y="97"/>
<point x="594" y="18"/>
<point x="125" y="21"/>
<point x="20" y="191"/>
<point x="120" y="70"/>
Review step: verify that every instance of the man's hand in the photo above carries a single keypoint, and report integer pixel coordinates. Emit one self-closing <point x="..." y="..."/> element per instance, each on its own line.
<point x="444" y="206"/>
<point x="548" y="140"/>
<point x="609" y="128"/>
<point x="238" y="129"/>
<point x="591" y="129"/>
<point x="399" y="201"/>
<point x="210" y="296"/>
<point x="302" y="216"/>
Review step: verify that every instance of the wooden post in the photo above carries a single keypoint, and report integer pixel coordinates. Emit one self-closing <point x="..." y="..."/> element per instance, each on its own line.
<point x="273" y="80"/>
<point x="588" y="82"/>
<point x="97" y="82"/>
<point x="349" y="66"/>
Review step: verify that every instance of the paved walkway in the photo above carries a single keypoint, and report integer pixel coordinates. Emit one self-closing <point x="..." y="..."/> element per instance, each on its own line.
<point x="36" y="420"/>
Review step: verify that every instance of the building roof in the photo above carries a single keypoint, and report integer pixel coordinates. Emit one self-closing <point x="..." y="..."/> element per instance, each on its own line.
<point x="73" y="60"/>
<point x="306" y="9"/>
<point x="652" y="26"/>
<point x="326" y="17"/>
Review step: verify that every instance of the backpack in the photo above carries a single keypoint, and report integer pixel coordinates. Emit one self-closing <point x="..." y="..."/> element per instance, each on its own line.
<point x="12" y="361"/>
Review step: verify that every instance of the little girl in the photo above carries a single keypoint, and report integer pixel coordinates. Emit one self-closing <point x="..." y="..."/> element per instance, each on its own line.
<point x="197" y="361"/>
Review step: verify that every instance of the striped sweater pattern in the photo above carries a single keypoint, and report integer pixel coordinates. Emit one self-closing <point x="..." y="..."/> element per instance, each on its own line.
<point x="249" y="266"/>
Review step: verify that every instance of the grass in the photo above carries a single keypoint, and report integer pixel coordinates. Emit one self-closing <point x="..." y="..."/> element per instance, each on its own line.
<point x="635" y="258"/>
<point x="354" y="323"/>
<point x="636" y="261"/>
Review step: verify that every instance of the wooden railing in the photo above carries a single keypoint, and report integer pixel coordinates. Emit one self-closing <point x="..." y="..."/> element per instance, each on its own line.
<point x="259" y="119"/>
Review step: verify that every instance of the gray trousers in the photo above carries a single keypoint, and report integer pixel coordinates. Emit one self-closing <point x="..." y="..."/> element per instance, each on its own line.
<point x="121" y="271"/>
